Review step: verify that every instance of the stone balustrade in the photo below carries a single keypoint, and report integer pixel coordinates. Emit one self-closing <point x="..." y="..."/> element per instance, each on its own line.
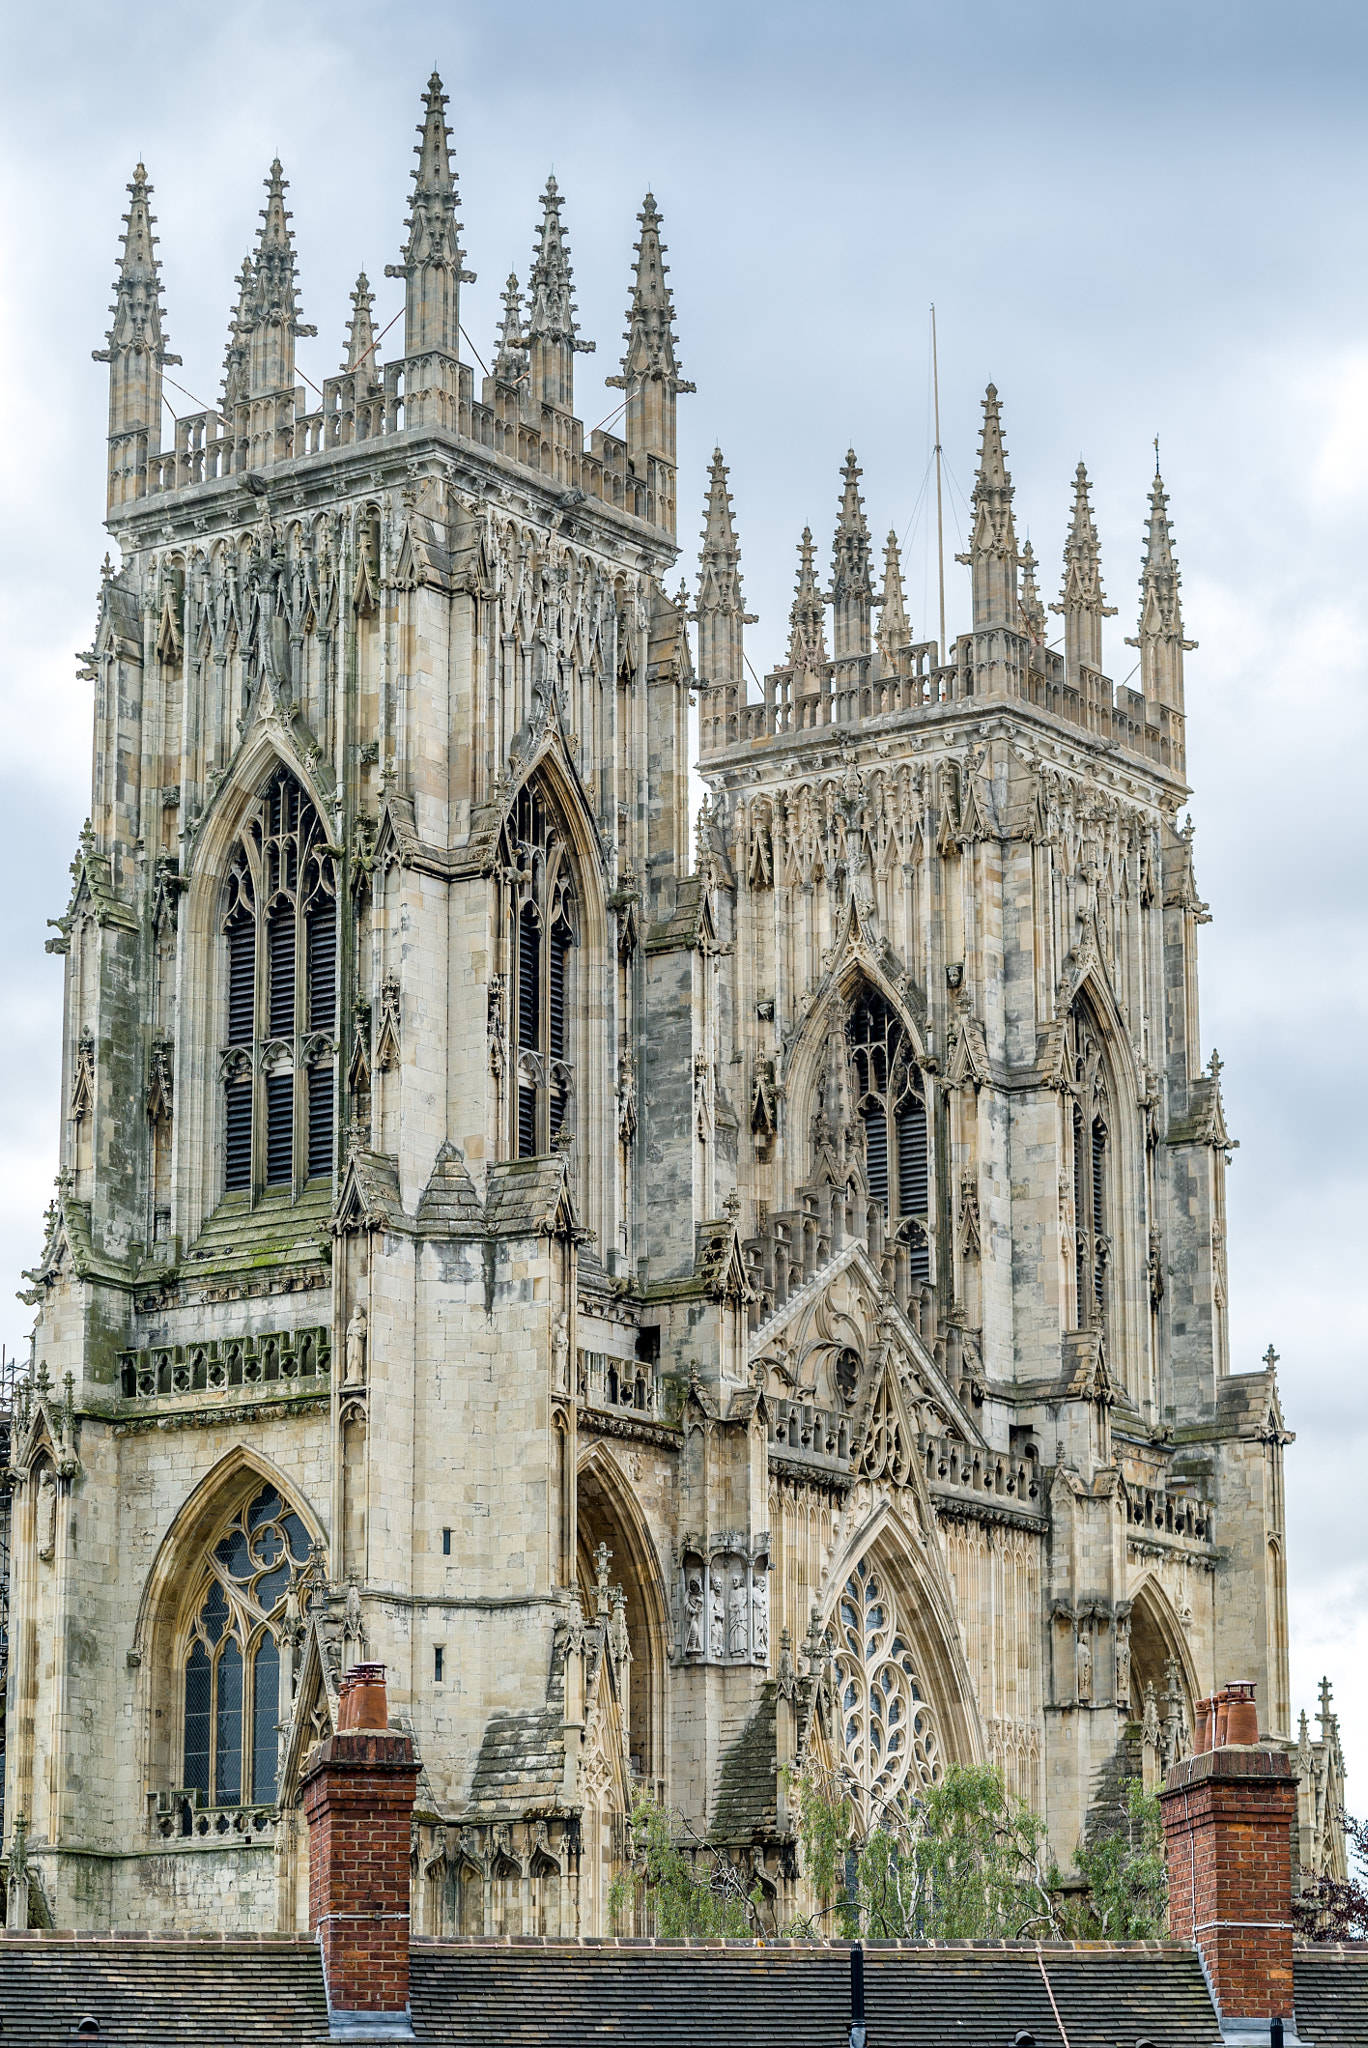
<point x="281" y="1359"/>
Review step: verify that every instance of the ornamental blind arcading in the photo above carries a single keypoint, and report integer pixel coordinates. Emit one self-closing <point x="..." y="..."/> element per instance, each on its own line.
<point x="280" y="929"/>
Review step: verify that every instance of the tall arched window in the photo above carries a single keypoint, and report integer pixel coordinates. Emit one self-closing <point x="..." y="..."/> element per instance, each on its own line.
<point x="888" y="1730"/>
<point x="541" y="929"/>
<point x="231" y="1656"/>
<point x="890" y="1099"/>
<point x="280" y="929"/>
<point x="1090" y="1127"/>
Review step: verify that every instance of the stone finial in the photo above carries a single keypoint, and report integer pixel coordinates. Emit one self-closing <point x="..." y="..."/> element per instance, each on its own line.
<point x="1082" y="600"/>
<point x="360" y="357"/>
<point x="269" y="308"/>
<point x="894" y="629"/>
<point x="807" y="617"/>
<point x="1159" y="636"/>
<point x="431" y="265"/>
<point x="1031" y="606"/>
<point x="135" y="351"/>
<point x="510" y="358"/>
<point x="992" y="556"/>
<point x="852" y="592"/>
<point x="552" y="330"/>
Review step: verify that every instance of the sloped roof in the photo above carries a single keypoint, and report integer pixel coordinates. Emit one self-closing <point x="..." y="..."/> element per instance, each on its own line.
<point x="521" y="1761"/>
<point x="748" y="1784"/>
<point x="244" y="1991"/>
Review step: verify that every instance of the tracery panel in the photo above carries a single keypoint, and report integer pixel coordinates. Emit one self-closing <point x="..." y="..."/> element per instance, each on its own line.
<point x="888" y="1729"/>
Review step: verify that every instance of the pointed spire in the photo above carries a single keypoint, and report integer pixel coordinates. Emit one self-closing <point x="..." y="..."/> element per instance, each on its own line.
<point x="552" y="330"/>
<point x="510" y="359"/>
<point x="852" y="592"/>
<point x="135" y="350"/>
<point x="273" y="307"/>
<point x="1033" y="621"/>
<point x="807" y="617"/>
<point x="431" y="266"/>
<point x="650" y="372"/>
<point x="238" y="349"/>
<point x="1160" y="633"/>
<point x="1082" y="600"/>
<point x="894" y="630"/>
<point x="721" y="618"/>
<point x="992" y="555"/>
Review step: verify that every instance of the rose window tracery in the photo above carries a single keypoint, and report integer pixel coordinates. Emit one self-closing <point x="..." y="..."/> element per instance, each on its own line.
<point x="888" y="1730"/>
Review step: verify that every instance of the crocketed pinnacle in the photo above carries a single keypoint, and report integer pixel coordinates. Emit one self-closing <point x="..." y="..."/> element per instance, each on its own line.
<point x="650" y="315"/>
<point x="807" y="618"/>
<point x="1082" y="588"/>
<point x="719" y="566"/>
<point x="1032" y="607"/>
<point x="1160" y="635"/>
<point x="433" y="228"/>
<point x="237" y="354"/>
<point x="850" y="549"/>
<point x="137" y="312"/>
<point x="274" y="301"/>
<point x="894" y="629"/>
<point x="551" y="290"/>
<point x="510" y="358"/>
<point x="361" y="331"/>
<point x="992" y="556"/>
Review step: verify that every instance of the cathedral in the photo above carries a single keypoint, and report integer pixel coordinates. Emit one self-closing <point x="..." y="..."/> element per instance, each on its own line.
<point x="689" y="1295"/>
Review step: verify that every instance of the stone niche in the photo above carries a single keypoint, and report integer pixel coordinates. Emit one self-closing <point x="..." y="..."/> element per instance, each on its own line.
<point x="724" y="1600"/>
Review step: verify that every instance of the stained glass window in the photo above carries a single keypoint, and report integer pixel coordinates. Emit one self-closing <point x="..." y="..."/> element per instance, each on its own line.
<point x="232" y="1660"/>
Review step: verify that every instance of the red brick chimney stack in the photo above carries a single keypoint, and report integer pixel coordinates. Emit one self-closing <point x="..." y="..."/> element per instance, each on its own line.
<point x="1228" y="1817"/>
<point x="358" y="1798"/>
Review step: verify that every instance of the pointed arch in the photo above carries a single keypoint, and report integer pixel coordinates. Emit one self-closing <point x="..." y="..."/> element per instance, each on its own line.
<point x="268" y="751"/>
<point x="837" y="991"/>
<point x="880" y="1562"/>
<point x="210" y="1680"/>
<point x="1156" y="1636"/>
<point x="608" y="1511"/>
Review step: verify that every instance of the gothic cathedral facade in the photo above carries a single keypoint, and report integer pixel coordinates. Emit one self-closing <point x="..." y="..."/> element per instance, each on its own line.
<point x="685" y="1295"/>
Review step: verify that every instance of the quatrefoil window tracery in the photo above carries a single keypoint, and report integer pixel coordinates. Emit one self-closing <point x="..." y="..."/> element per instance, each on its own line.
<point x="888" y="1730"/>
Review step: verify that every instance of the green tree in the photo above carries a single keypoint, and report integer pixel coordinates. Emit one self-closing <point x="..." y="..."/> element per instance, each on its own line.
<point x="1127" y="1878"/>
<point x="689" y="1886"/>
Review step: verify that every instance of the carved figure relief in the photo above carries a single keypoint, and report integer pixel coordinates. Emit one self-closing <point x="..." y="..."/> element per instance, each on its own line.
<point x="354" y="1348"/>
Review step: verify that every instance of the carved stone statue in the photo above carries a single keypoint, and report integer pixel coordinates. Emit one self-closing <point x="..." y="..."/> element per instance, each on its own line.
<point x="738" y="1616"/>
<point x="47" y="1515"/>
<point x="1123" y="1663"/>
<point x="355" y="1348"/>
<point x="693" y="1613"/>
<point x="760" y="1616"/>
<point x="560" y="1353"/>
<point x="352" y="1625"/>
<point x="717" y="1627"/>
<point x="1084" y="1668"/>
<point x="1149" y="1724"/>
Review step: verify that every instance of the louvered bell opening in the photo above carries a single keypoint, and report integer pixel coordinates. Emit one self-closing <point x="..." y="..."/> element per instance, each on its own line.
<point x="1080" y="1261"/>
<point x="529" y="981"/>
<point x="1099" y="1174"/>
<point x="282" y="955"/>
<point x="322" y="970"/>
<point x="876" y="1155"/>
<point x="279" y="1129"/>
<point x="241" y="981"/>
<point x="556" y="978"/>
<point x="237" y="1135"/>
<point x="321" y="1089"/>
<point x="556" y="1111"/>
<point x="527" y="1123"/>
<point x="913" y="1181"/>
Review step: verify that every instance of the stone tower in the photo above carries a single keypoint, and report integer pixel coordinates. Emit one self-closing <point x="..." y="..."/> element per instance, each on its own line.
<point x="682" y="1306"/>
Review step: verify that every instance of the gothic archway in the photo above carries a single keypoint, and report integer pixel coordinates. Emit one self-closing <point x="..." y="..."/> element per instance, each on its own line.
<point x="608" y="1514"/>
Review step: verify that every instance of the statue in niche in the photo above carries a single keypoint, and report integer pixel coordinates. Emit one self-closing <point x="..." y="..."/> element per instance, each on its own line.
<point x="738" y="1617"/>
<point x="47" y="1515"/>
<point x="693" y="1616"/>
<point x="760" y="1616"/>
<point x="352" y="1625"/>
<point x="1149" y="1725"/>
<point x="1084" y="1667"/>
<point x="717" y="1628"/>
<point x="1123" y="1663"/>
<point x="355" y="1348"/>
<point x="560" y="1352"/>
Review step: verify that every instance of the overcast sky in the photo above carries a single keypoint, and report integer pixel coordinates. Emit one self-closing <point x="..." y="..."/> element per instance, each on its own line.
<point x="1134" y="220"/>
